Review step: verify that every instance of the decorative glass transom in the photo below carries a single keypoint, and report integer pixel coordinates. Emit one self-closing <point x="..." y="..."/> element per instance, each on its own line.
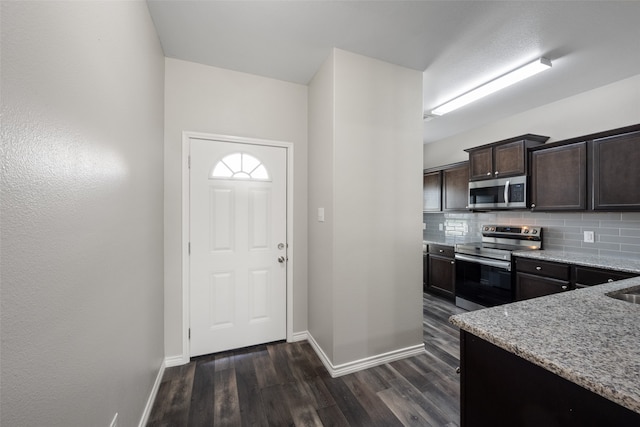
<point x="240" y="166"/>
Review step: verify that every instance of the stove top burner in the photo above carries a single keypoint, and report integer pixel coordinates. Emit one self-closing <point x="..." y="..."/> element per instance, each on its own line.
<point x="498" y="241"/>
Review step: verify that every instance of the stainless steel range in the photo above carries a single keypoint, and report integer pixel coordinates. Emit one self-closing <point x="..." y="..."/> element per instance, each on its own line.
<point x="483" y="269"/>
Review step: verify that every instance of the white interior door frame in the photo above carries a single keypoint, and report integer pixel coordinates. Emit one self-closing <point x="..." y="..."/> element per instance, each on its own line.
<point x="186" y="136"/>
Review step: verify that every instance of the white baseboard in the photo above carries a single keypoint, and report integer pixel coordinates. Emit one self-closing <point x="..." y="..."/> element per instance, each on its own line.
<point x="299" y="336"/>
<point x="178" y="360"/>
<point x="367" y="362"/>
<point x="152" y="396"/>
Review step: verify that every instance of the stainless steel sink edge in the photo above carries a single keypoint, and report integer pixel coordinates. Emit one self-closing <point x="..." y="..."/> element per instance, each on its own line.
<point x="631" y="294"/>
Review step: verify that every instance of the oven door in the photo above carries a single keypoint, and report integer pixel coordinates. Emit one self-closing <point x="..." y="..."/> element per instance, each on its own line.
<point x="482" y="282"/>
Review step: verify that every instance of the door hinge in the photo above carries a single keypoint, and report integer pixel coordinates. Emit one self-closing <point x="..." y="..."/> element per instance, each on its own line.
<point x="189" y="333"/>
<point x="189" y="162"/>
<point x="189" y="248"/>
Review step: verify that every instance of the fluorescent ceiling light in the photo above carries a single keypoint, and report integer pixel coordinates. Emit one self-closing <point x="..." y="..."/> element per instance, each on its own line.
<point x="508" y="79"/>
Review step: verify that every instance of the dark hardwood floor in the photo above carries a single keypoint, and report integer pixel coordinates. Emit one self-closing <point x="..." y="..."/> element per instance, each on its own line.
<point x="285" y="384"/>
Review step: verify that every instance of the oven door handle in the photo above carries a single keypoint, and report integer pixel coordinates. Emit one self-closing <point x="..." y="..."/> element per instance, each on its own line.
<point x="505" y="265"/>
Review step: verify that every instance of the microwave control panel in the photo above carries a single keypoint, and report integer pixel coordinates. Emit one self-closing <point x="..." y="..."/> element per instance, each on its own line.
<point x="516" y="193"/>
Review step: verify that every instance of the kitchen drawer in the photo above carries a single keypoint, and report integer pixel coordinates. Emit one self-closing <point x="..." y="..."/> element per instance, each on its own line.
<point x="543" y="268"/>
<point x="532" y="286"/>
<point x="587" y="276"/>
<point x="442" y="250"/>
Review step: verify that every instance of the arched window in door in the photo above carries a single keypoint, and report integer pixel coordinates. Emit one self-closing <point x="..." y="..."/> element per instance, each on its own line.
<point x="240" y="166"/>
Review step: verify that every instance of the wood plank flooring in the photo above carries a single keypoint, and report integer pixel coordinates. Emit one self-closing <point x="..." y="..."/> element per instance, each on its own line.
<point x="285" y="384"/>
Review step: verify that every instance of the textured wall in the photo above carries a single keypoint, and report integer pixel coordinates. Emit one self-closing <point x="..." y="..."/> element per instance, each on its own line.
<point x="81" y="219"/>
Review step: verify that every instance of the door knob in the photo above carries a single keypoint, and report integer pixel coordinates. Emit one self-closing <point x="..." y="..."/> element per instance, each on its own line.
<point x="280" y="259"/>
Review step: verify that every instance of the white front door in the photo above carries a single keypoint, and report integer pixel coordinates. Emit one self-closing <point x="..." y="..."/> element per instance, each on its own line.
<point x="238" y="245"/>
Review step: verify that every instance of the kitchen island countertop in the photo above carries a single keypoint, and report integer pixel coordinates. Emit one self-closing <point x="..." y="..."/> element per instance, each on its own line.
<point x="584" y="336"/>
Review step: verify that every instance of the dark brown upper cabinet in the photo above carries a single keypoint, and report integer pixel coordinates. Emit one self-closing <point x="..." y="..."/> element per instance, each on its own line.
<point x="559" y="178"/>
<point x="432" y="191"/>
<point x="503" y="158"/>
<point x="598" y="171"/>
<point x="455" y="187"/>
<point x="446" y="188"/>
<point x="616" y="172"/>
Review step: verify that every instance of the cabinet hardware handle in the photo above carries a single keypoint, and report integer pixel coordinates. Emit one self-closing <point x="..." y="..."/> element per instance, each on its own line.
<point x="496" y="173"/>
<point x="453" y="262"/>
<point x="533" y="205"/>
<point x="610" y="280"/>
<point x="458" y="370"/>
<point x="488" y="173"/>
<point x="440" y="250"/>
<point x="538" y="268"/>
<point x="564" y="287"/>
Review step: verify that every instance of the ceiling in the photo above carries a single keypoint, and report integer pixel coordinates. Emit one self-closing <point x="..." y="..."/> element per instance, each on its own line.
<point x="457" y="44"/>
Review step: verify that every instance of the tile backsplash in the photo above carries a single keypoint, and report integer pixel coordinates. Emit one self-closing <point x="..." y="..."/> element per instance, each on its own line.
<point x="616" y="233"/>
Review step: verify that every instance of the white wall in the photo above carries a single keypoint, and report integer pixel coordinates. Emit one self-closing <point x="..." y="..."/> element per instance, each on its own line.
<point x="375" y="220"/>
<point x="321" y="184"/>
<point x="607" y="107"/>
<point x="81" y="267"/>
<point x="213" y="100"/>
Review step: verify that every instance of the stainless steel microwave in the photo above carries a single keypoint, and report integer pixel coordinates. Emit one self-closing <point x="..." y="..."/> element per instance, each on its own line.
<point x="500" y="193"/>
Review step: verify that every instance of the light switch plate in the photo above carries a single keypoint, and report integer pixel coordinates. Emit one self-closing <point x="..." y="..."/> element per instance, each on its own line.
<point x="320" y="214"/>
<point x="589" y="236"/>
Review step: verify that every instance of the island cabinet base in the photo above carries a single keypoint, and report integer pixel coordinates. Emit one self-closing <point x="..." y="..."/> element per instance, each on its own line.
<point x="498" y="388"/>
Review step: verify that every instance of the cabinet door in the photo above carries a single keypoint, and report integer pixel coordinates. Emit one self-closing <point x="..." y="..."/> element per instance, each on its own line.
<point x="559" y="178"/>
<point x="425" y="271"/>
<point x="587" y="276"/>
<point x="509" y="159"/>
<point x="455" y="188"/>
<point x="531" y="286"/>
<point x="441" y="271"/>
<point x="432" y="192"/>
<point x="481" y="164"/>
<point x="554" y="270"/>
<point x="616" y="172"/>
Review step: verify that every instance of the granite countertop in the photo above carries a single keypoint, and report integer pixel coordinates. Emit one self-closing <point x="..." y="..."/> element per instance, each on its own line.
<point x="451" y="241"/>
<point x="583" y="336"/>
<point x="619" y="264"/>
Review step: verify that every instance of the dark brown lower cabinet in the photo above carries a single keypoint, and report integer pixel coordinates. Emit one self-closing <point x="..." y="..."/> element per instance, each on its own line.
<point x="441" y="270"/>
<point x="441" y="274"/>
<point x="589" y="276"/>
<point x="532" y="286"/>
<point x="498" y="388"/>
<point x="536" y="278"/>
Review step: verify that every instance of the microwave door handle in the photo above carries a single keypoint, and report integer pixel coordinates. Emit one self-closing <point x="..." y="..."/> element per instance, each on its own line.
<point x="506" y="193"/>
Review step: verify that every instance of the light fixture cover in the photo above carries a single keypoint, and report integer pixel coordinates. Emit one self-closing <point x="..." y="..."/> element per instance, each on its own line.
<point x="506" y="80"/>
